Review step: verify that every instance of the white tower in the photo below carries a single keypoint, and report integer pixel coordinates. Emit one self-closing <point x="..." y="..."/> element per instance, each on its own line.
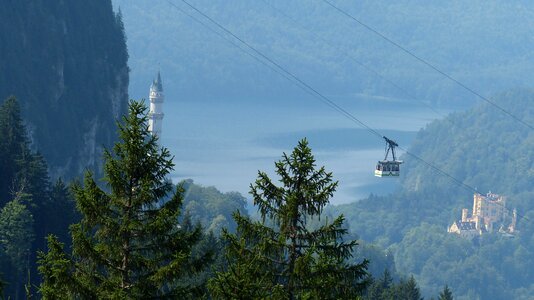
<point x="155" y="116"/>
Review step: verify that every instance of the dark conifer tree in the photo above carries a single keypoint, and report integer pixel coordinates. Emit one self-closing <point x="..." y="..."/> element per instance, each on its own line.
<point x="22" y="170"/>
<point x="128" y="243"/>
<point x="60" y="212"/>
<point x="281" y="257"/>
<point x="446" y="294"/>
<point x="14" y="147"/>
<point x="16" y="238"/>
<point x="24" y="177"/>
<point x="381" y="288"/>
<point x="408" y="290"/>
<point x="32" y="178"/>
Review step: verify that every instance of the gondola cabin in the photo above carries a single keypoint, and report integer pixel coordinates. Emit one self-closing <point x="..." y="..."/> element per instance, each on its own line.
<point x="388" y="168"/>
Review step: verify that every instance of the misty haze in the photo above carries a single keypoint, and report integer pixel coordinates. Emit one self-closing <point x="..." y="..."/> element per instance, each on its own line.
<point x="325" y="149"/>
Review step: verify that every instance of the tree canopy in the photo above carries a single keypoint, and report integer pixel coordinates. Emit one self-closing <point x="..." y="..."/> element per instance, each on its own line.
<point x="280" y="256"/>
<point x="212" y="208"/>
<point x="129" y="243"/>
<point x="488" y="150"/>
<point x="72" y="95"/>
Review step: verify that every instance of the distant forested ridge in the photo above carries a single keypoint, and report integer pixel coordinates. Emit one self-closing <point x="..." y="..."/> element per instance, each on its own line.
<point x="66" y="62"/>
<point x="488" y="150"/>
<point x="31" y="206"/>
<point x="484" y="148"/>
<point x="484" y="44"/>
<point x="212" y="208"/>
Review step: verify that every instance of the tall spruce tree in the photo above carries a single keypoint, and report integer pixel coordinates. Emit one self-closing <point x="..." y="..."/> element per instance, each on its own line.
<point x="128" y="244"/>
<point x="23" y="176"/>
<point x="16" y="238"/>
<point x="59" y="213"/>
<point x="280" y="257"/>
<point x="381" y="288"/>
<point x="22" y="170"/>
<point x="446" y="294"/>
<point x="14" y="148"/>
<point x="408" y="289"/>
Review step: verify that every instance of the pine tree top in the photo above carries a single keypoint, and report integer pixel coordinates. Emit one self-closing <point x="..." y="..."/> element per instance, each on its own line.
<point x="129" y="243"/>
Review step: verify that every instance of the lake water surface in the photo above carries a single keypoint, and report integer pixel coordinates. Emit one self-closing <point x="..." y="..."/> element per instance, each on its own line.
<point x="225" y="143"/>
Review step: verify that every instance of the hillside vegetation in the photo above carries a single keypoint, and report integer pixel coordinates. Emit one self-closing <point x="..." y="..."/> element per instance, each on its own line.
<point x="482" y="43"/>
<point x="66" y="62"/>
<point x="485" y="149"/>
<point x="211" y="207"/>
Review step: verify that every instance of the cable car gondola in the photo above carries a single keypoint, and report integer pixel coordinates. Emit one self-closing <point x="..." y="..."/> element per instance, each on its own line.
<point x="388" y="168"/>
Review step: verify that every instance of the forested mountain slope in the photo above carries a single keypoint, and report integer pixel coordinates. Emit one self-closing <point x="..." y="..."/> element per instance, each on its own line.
<point x="487" y="150"/>
<point x="211" y="207"/>
<point x="484" y="148"/>
<point x="31" y="206"/>
<point x="485" y="44"/>
<point x="66" y="62"/>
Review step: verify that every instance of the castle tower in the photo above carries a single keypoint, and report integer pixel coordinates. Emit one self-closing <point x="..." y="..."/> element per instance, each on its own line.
<point x="465" y="211"/>
<point x="155" y="116"/>
<point x="511" y="228"/>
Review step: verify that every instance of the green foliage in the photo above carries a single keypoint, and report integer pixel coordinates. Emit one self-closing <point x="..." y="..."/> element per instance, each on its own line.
<point x="16" y="238"/>
<point x="381" y="288"/>
<point x="60" y="212"/>
<point x="129" y="243"/>
<point x="212" y="208"/>
<point x="478" y="50"/>
<point x="479" y="141"/>
<point x="384" y="288"/>
<point x="408" y="290"/>
<point x="24" y="177"/>
<point x="485" y="149"/>
<point x="71" y="95"/>
<point x="379" y="259"/>
<point x="446" y="294"/>
<point x="16" y="234"/>
<point x="56" y="269"/>
<point x="287" y="260"/>
<point x="14" y="148"/>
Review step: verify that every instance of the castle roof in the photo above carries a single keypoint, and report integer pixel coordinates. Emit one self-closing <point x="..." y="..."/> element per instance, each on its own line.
<point x="465" y="225"/>
<point x="157" y="84"/>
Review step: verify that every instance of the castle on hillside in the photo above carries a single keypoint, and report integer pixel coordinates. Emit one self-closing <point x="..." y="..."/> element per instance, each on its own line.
<point x="489" y="211"/>
<point x="155" y="115"/>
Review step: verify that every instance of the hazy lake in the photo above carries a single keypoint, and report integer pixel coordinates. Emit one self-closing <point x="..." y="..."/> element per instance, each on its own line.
<point x="225" y="143"/>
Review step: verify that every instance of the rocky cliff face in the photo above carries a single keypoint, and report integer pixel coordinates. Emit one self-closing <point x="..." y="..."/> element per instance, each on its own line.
<point x="66" y="62"/>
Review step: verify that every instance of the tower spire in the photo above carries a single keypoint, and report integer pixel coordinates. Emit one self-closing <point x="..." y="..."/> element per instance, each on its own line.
<point x="155" y="116"/>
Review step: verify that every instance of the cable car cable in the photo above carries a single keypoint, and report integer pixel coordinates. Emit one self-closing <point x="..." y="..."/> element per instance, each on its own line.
<point x="457" y="181"/>
<point x="384" y="37"/>
<point x="364" y="66"/>
<point x="317" y="94"/>
<point x="229" y="41"/>
<point x="305" y="88"/>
